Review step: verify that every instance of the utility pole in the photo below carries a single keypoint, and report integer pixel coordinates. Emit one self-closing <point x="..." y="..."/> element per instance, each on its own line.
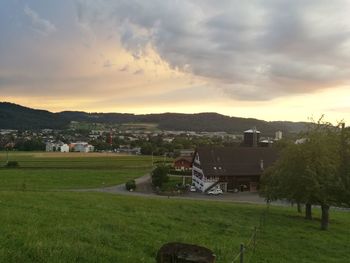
<point x="152" y="159"/>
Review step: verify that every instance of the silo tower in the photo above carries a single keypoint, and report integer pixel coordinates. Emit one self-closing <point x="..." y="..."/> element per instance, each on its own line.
<point x="251" y="137"/>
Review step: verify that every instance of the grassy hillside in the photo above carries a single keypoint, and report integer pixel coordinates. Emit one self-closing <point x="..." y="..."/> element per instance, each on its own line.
<point x="95" y="227"/>
<point x="39" y="225"/>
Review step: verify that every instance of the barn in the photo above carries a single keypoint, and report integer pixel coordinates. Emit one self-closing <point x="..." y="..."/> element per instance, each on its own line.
<point x="233" y="169"/>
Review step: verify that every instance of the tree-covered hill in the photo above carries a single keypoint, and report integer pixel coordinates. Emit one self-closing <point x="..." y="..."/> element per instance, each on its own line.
<point x="14" y="116"/>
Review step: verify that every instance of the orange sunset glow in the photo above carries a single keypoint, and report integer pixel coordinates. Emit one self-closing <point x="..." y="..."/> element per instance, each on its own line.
<point x="182" y="56"/>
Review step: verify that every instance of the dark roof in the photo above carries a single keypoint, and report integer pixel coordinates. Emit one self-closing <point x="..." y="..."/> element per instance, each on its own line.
<point x="235" y="160"/>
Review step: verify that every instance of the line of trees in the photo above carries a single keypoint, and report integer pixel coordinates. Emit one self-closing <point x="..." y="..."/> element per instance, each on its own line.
<point x="314" y="171"/>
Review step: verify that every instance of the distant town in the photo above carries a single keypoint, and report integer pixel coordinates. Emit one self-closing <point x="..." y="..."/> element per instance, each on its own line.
<point x="135" y="140"/>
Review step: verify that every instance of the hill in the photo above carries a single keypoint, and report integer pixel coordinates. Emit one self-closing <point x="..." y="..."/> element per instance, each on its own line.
<point x="43" y="220"/>
<point x="13" y="116"/>
<point x="99" y="227"/>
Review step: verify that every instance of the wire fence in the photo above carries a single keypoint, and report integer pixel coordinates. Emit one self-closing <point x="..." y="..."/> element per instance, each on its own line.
<point x="248" y="249"/>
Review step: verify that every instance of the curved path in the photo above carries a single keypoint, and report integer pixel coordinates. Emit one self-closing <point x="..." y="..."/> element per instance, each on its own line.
<point x="143" y="183"/>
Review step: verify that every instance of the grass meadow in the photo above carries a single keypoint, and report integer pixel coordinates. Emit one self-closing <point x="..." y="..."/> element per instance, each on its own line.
<point x="98" y="227"/>
<point x="54" y="171"/>
<point x="41" y="225"/>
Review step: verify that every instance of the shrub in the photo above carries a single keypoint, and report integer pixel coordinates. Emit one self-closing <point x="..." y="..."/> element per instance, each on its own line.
<point x="160" y="175"/>
<point x="12" y="164"/>
<point x="130" y="185"/>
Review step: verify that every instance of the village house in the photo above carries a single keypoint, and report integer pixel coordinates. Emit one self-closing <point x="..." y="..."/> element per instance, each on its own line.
<point x="232" y="169"/>
<point x="183" y="163"/>
<point x="57" y="147"/>
<point x="81" y="147"/>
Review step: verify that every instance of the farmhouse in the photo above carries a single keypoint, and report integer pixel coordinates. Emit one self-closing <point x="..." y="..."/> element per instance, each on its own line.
<point x="230" y="168"/>
<point x="183" y="163"/>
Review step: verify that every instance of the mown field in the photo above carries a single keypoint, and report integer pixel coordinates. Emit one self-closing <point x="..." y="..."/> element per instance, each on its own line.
<point x="40" y="225"/>
<point x="77" y="160"/>
<point x="44" y="171"/>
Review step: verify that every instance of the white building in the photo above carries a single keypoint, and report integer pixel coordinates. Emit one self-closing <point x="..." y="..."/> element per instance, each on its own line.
<point x="50" y="147"/>
<point x="64" y="148"/>
<point x="82" y="147"/>
<point x="278" y="135"/>
<point x="57" y="147"/>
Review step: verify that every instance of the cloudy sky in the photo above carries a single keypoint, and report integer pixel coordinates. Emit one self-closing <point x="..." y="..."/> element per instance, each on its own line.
<point x="269" y="59"/>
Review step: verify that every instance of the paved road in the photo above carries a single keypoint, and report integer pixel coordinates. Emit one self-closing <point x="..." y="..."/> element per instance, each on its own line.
<point x="144" y="190"/>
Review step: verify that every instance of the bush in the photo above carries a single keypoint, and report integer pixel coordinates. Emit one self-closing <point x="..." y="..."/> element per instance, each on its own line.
<point x="130" y="185"/>
<point x="160" y="175"/>
<point x="12" y="164"/>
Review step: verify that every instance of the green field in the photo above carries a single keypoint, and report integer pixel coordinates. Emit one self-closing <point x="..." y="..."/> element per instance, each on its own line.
<point x="55" y="179"/>
<point x="77" y="160"/>
<point x="44" y="171"/>
<point x="40" y="225"/>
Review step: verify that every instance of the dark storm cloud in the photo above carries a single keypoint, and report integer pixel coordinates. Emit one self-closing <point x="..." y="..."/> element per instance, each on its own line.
<point x="253" y="50"/>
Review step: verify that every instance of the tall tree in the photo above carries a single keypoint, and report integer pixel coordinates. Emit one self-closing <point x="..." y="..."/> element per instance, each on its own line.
<point x="288" y="178"/>
<point x="309" y="172"/>
<point x="344" y="169"/>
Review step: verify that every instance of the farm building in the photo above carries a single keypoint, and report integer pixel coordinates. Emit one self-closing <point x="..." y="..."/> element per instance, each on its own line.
<point x="183" y="163"/>
<point x="231" y="168"/>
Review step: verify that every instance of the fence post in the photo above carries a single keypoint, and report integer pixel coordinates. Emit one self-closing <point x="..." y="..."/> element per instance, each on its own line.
<point x="254" y="240"/>
<point x="241" y="253"/>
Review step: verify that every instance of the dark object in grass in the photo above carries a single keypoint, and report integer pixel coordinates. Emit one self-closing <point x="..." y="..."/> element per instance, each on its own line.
<point x="11" y="164"/>
<point x="130" y="185"/>
<point x="184" y="253"/>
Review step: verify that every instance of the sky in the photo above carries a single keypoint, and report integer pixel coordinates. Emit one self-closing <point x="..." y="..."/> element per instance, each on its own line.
<point x="267" y="59"/>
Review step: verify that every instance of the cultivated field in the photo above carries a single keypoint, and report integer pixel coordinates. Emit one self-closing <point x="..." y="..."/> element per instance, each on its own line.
<point x="43" y="171"/>
<point x="41" y="225"/>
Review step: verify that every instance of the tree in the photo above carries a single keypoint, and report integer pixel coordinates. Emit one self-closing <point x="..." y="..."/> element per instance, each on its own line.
<point x="309" y="172"/>
<point x="287" y="179"/>
<point x="160" y="175"/>
<point x="30" y="145"/>
<point x="344" y="169"/>
<point x="147" y="149"/>
<point x="323" y="165"/>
